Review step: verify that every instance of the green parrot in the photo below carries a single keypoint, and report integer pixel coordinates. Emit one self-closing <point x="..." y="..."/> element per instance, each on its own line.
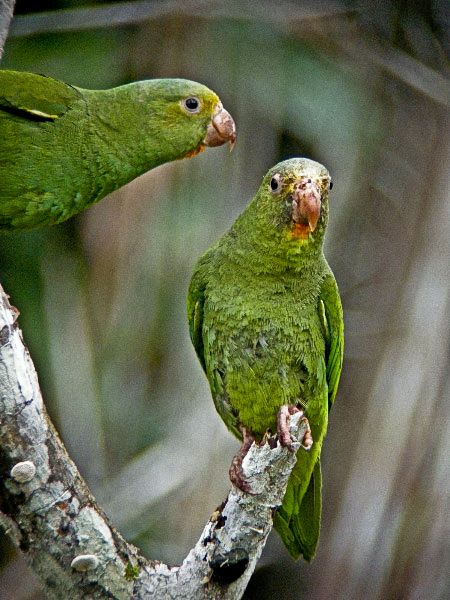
<point x="62" y="148"/>
<point x="265" y="319"/>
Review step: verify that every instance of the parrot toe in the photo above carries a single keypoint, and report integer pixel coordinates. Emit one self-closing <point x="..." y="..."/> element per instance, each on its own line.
<point x="284" y="412"/>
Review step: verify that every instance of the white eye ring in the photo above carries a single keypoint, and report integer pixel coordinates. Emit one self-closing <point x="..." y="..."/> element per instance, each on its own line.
<point x="276" y="184"/>
<point x="191" y="105"/>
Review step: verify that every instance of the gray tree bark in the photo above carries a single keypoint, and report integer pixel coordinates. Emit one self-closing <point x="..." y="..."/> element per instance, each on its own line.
<point x="6" y="13"/>
<point x="49" y="513"/>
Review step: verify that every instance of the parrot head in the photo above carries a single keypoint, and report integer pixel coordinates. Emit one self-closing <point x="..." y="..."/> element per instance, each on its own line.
<point x="192" y="114"/>
<point x="293" y="199"/>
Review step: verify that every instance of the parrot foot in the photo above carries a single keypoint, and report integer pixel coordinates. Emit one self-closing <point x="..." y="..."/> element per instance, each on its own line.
<point x="236" y="472"/>
<point x="284" y="412"/>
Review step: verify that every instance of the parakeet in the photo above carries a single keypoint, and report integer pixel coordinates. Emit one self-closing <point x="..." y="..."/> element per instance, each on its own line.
<point x="62" y="148"/>
<point x="265" y="319"/>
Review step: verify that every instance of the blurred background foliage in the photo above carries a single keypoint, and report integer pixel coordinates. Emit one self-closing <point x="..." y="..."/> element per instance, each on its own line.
<point x="362" y="87"/>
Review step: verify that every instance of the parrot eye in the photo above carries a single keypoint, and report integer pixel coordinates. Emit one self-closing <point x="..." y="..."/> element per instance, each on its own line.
<point x="331" y="185"/>
<point x="191" y="105"/>
<point x="276" y="184"/>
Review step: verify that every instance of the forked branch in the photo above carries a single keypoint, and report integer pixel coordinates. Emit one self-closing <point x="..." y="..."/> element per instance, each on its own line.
<point x="49" y="513"/>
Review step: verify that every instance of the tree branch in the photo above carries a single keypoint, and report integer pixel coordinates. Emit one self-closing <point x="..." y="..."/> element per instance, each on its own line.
<point x="49" y="513"/>
<point x="6" y="13"/>
<point x="52" y="516"/>
<point x="138" y="11"/>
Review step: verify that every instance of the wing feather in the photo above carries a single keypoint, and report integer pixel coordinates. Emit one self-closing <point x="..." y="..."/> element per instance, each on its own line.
<point x="35" y="97"/>
<point x="331" y="311"/>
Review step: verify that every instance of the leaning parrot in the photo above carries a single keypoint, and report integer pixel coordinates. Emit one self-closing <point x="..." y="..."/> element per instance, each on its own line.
<point x="62" y="148"/>
<point x="265" y="319"/>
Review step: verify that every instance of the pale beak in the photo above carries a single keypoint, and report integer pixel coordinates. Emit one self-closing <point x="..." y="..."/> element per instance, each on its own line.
<point x="221" y="129"/>
<point x="306" y="202"/>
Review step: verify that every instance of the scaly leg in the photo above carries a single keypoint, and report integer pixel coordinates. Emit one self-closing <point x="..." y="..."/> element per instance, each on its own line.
<point x="284" y="412"/>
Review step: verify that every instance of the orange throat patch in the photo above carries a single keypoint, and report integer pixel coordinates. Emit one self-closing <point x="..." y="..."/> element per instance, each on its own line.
<point x="300" y="231"/>
<point x="197" y="150"/>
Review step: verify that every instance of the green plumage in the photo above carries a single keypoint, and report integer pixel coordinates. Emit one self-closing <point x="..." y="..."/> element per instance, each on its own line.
<point x="63" y="148"/>
<point x="266" y="322"/>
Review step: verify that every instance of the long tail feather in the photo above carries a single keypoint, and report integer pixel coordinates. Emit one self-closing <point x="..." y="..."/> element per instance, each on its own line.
<point x="298" y="523"/>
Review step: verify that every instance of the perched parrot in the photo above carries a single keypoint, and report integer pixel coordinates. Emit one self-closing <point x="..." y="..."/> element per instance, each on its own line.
<point x="265" y="319"/>
<point x="62" y="148"/>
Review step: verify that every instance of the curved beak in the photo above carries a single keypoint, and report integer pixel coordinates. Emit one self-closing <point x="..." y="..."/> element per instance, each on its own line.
<point x="306" y="202"/>
<point x="221" y="129"/>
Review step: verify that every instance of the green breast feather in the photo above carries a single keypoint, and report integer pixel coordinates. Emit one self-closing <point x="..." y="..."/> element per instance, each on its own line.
<point x="265" y="319"/>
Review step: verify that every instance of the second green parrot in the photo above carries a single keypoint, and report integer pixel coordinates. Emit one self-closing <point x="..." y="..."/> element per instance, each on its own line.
<point x="265" y="318"/>
<point x="62" y="148"/>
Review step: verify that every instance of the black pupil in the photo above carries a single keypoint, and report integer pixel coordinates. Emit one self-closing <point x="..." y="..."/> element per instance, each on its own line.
<point x="331" y="185"/>
<point x="192" y="103"/>
<point x="273" y="184"/>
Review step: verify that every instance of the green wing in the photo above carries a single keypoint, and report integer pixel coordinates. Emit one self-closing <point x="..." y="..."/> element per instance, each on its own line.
<point x="35" y="97"/>
<point x="195" y="311"/>
<point x="39" y="118"/>
<point x="331" y="309"/>
<point x="195" y="303"/>
<point x="298" y="519"/>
